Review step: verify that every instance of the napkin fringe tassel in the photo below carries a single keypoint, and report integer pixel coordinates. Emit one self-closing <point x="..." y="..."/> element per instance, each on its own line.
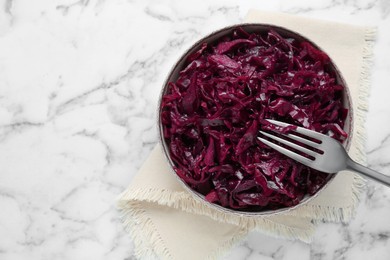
<point x="358" y="184"/>
<point x="147" y="241"/>
<point x="184" y="201"/>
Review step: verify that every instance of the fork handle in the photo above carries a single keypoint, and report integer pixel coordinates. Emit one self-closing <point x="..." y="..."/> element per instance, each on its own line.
<point x="374" y="175"/>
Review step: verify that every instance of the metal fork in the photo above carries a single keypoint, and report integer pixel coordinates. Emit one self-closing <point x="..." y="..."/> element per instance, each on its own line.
<point x="326" y="155"/>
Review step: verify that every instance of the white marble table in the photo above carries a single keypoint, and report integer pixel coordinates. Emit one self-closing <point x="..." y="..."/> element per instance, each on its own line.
<point x="78" y="90"/>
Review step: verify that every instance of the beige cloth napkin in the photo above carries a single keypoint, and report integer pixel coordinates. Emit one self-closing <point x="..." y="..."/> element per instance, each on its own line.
<point x="165" y="221"/>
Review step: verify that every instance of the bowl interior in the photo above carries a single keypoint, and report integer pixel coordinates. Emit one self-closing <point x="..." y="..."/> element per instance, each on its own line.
<point x="250" y="28"/>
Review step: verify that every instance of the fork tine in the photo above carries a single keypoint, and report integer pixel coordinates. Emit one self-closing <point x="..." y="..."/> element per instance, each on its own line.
<point x="300" y="139"/>
<point x="290" y="144"/>
<point x="303" y="140"/>
<point x="300" y="130"/>
<point x="287" y="152"/>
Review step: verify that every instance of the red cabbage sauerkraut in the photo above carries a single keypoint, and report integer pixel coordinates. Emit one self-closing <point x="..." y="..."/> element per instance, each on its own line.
<point x="212" y="113"/>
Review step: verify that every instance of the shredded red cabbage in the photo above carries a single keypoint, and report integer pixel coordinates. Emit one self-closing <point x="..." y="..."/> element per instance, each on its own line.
<point x="212" y="113"/>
